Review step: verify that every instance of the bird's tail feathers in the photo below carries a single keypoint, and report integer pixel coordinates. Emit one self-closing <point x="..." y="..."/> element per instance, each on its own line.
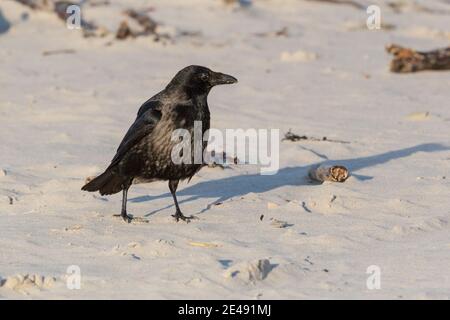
<point x="106" y="183"/>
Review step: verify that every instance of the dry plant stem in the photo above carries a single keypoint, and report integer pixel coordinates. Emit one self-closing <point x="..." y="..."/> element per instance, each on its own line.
<point x="290" y="136"/>
<point x="353" y="4"/>
<point x="408" y="60"/>
<point x="62" y="51"/>
<point x="324" y="173"/>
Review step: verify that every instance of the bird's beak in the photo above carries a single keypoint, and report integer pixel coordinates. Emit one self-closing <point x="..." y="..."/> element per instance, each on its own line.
<point x="221" y="78"/>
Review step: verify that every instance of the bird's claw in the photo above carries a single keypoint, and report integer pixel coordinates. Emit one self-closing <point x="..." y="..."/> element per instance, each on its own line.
<point x="128" y="219"/>
<point x="179" y="216"/>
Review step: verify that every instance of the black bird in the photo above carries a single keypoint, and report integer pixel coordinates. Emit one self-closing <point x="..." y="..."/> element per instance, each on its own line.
<point x="144" y="155"/>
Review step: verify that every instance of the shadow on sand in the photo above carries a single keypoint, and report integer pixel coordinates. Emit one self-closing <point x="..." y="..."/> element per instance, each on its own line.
<point x="234" y="186"/>
<point x="4" y="24"/>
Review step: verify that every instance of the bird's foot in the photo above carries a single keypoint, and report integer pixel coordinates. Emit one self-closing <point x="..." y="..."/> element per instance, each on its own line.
<point x="129" y="219"/>
<point x="179" y="216"/>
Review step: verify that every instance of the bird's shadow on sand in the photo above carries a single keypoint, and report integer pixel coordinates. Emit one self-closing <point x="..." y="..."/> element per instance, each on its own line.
<point x="235" y="186"/>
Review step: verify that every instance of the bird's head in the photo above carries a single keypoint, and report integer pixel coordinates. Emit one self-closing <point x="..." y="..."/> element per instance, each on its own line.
<point x="200" y="79"/>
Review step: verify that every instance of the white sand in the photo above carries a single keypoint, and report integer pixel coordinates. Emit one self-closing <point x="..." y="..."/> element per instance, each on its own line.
<point x="62" y="116"/>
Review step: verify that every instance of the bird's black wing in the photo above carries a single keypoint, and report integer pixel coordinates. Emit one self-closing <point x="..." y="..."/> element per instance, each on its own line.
<point x="149" y="104"/>
<point x="142" y="126"/>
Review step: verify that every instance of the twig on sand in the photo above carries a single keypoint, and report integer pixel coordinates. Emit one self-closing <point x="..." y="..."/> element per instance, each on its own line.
<point x="324" y="173"/>
<point x="283" y="32"/>
<point x="99" y="3"/>
<point x="354" y="4"/>
<point x="290" y="136"/>
<point x="62" y="51"/>
<point x="408" y="60"/>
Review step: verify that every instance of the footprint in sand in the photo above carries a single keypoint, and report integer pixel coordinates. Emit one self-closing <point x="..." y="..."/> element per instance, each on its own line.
<point x="425" y="225"/>
<point x="250" y="271"/>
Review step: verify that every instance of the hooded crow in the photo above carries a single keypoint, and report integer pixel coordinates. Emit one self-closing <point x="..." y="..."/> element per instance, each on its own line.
<point x="145" y="153"/>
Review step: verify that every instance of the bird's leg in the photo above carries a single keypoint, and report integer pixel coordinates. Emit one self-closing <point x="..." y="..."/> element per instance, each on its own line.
<point x="173" y="184"/>
<point x="123" y="213"/>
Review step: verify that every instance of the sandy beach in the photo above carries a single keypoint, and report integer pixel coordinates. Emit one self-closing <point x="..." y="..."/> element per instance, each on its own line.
<point x="306" y="66"/>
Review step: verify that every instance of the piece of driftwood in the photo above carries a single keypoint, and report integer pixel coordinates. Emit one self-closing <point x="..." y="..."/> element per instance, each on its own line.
<point x="124" y="31"/>
<point x="59" y="7"/>
<point x="90" y="29"/>
<point x="290" y="136"/>
<point x="148" y="26"/>
<point x="324" y="173"/>
<point x="407" y="6"/>
<point x="408" y="60"/>
<point x="145" y="21"/>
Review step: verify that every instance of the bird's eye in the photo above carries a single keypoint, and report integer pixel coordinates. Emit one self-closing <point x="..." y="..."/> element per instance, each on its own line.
<point x="204" y="77"/>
